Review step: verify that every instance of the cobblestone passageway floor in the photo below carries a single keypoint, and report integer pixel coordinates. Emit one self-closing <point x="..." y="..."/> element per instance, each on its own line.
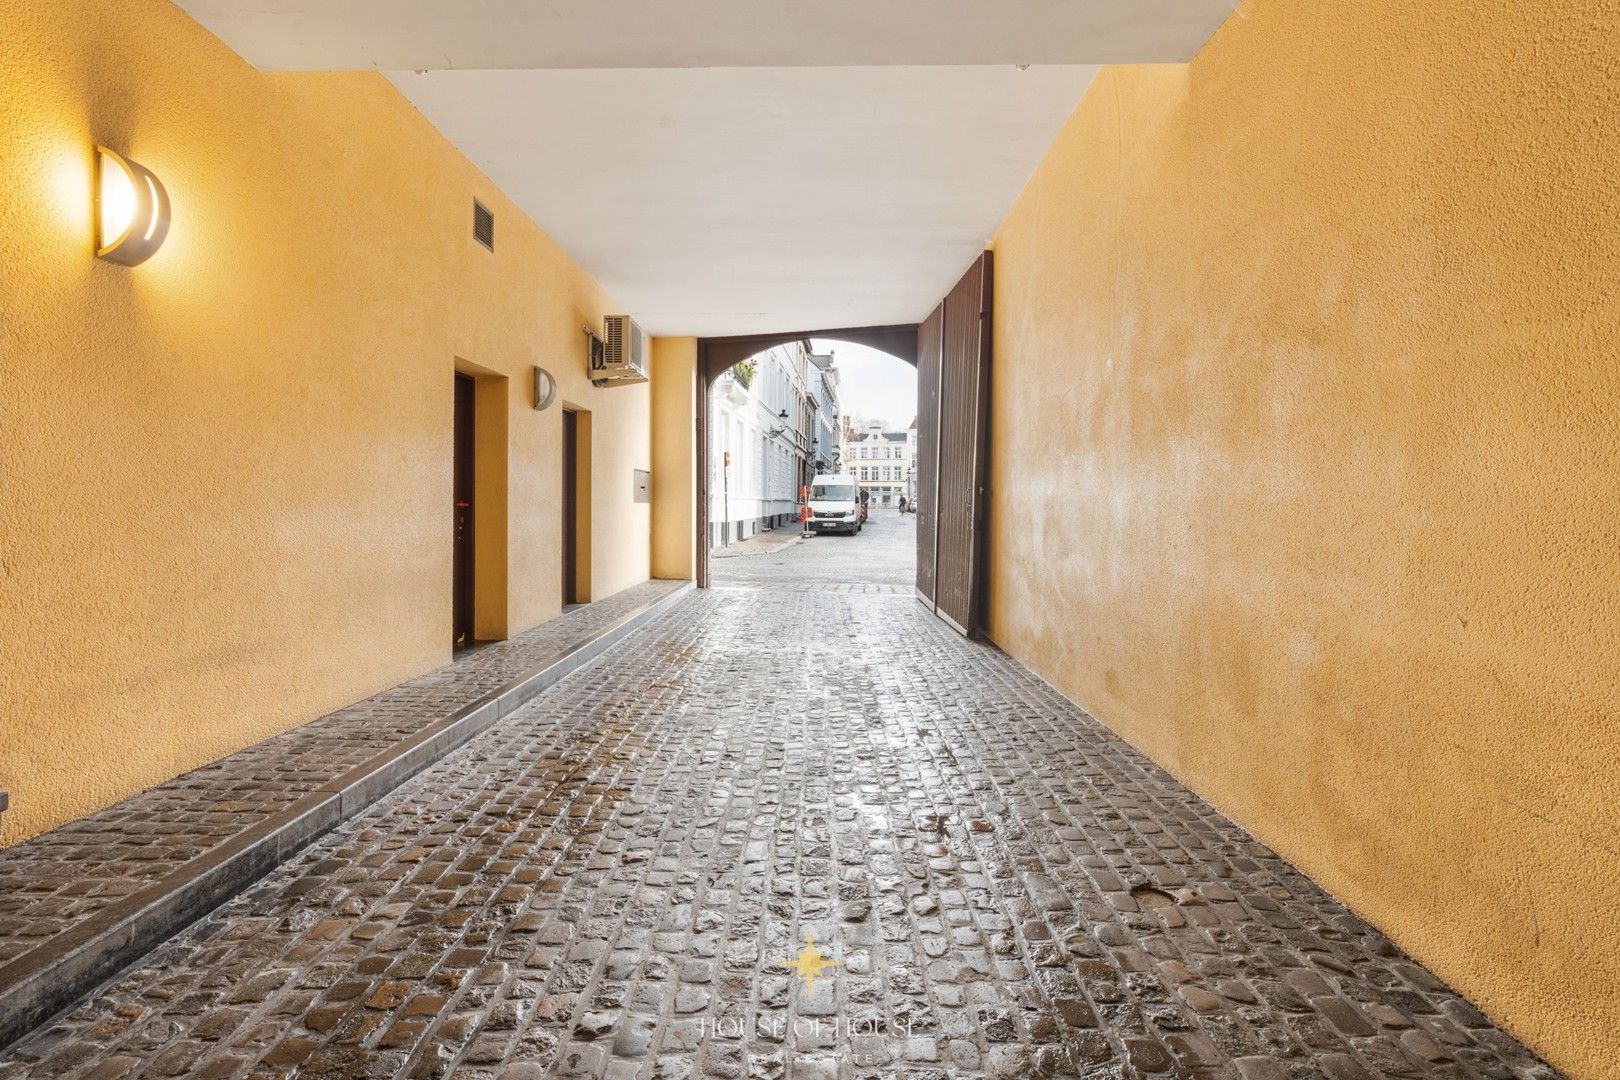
<point x="882" y="557"/>
<point x="612" y="882"/>
<point x="51" y="883"/>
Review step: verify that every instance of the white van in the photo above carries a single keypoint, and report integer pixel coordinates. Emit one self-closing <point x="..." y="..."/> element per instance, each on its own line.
<point x="835" y="503"/>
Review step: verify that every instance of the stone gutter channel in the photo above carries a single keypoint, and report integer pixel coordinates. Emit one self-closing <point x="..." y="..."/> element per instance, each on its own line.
<point x="68" y="966"/>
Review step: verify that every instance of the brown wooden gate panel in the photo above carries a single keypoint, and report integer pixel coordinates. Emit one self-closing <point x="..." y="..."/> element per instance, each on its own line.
<point x="930" y="337"/>
<point x="963" y="449"/>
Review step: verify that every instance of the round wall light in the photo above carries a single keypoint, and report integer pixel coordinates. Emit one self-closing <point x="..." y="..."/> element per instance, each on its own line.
<point x="132" y="210"/>
<point x="545" y="389"/>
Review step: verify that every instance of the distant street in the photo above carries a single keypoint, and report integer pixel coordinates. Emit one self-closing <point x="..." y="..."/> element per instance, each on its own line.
<point x="883" y="553"/>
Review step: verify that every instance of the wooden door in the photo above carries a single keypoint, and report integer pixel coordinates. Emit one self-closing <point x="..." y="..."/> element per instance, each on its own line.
<point x="930" y="337"/>
<point x="960" y="449"/>
<point x="461" y="590"/>
<point x="570" y="508"/>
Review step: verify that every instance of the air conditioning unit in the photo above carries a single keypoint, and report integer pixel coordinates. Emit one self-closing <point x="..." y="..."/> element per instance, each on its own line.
<point x="620" y="356"/>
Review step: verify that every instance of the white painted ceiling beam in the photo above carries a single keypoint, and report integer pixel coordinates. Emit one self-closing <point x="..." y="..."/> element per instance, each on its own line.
<point x="743" y="200"/>
<point x="431" y="35"/>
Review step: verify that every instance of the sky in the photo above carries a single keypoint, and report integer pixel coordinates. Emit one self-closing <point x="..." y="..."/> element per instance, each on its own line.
<point x="873" y="385"/>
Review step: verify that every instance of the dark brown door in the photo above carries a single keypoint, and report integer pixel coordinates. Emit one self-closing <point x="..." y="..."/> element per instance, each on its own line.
<point x="570" y="508"/>
<point x="930" y="337"/>
<point x="960" y="450"/>
<point x="462" y="588"/>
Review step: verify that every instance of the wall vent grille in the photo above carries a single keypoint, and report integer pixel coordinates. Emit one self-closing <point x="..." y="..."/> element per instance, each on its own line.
<point x="483" y="225"/>
<point x="623" y="355"/>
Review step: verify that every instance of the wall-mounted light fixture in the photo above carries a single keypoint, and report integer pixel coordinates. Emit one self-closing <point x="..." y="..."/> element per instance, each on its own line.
<point x="132" y="210"/>
<point x="545" y="389"/>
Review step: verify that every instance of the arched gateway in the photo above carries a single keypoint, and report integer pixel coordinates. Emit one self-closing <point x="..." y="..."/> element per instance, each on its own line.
<point x="951" y="350"/>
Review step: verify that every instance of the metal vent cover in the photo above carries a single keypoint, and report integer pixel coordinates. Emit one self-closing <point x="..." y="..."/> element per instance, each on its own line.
<point x="623" y="357"/>
<point x="483" y="225"/>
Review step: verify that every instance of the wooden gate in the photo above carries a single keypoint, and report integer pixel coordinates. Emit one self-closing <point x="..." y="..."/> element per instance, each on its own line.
<point x="953" y="391"/>
<point x="930" y="337"/>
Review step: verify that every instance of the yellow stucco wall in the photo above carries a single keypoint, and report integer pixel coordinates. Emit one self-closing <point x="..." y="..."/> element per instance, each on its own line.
<point x="226" y="473"/>
<point x="1307" y="464"/>
<point x="674" y="449"/>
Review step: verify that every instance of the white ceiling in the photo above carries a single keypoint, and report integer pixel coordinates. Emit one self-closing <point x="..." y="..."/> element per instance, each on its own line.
<point x="742" y="200"/>
<point x="305" y="35"/>
<point x="741" y="166"/>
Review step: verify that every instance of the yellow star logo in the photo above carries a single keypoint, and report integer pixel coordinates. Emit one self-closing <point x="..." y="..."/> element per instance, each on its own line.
<point x="810" y="963"/>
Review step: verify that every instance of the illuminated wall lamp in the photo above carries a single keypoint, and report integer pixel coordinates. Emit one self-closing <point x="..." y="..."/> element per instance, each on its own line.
<point x="132" y="210"/>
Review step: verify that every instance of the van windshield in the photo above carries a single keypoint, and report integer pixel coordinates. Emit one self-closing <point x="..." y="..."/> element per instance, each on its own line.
<point x="833" y="492"/>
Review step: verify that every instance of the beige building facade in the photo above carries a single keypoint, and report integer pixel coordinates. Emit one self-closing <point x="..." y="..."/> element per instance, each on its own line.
<point x="882" y="459"/>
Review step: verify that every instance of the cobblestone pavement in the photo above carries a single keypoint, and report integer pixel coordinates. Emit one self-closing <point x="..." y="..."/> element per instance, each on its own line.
<point x="883" y="553"/>
<point x="611" y="882"/>
<point x="50" y="882"/>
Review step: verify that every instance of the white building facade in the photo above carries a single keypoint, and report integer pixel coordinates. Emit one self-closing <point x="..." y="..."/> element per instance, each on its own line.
<point x="882" y="460"/>
<point x="827" y="450"/>
<point x="762" y="442"/>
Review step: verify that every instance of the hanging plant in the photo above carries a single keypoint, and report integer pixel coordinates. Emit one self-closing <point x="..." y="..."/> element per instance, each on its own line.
<point x="745" y="370"/>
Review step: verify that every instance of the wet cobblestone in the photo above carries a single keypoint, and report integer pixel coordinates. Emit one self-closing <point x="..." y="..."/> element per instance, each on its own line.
<point x="51" y="881"/>
<point x="611" y="882"/>
<point x="884" y="553"/>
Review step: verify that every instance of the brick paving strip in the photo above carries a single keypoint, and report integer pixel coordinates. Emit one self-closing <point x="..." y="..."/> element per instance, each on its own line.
<point x="610" y="882"/>
<point x="83" y="901"/>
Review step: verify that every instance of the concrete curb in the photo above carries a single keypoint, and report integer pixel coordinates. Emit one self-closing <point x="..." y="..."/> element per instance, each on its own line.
<point x="55" y="975"/>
